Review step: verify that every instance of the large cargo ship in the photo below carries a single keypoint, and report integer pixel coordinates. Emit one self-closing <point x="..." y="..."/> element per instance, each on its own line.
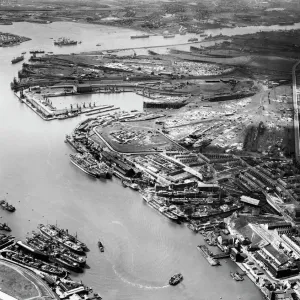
<point x="39" y="253"/>
<point x="31" y="262"/>
<point x="80" y="163"/>
<point x="65" y="262"/>
<point x="43" y="242"/>
<point x="17" y="59"/>
<point x="50" y="232"/>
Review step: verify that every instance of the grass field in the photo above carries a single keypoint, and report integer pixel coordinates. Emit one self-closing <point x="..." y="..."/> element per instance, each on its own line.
<point x="20" y="284"/>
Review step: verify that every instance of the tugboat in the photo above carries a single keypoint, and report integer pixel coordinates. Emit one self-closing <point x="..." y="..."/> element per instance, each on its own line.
<point x="175" y="279"/>
<point x="100" y="246"/>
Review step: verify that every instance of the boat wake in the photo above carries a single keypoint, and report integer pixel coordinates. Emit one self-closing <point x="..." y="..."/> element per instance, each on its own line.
<point x="139" y="285"/>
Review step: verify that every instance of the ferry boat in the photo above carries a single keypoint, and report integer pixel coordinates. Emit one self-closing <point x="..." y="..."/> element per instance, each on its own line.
<point x="79" y="162"/>
<point x="175" y="279"/>
<point x="143" y="36"/>
<point x="17" y="59"/>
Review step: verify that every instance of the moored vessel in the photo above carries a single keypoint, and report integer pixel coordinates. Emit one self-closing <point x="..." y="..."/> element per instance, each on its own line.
<point x="51" y="232"/>
<point x="142" y="36"/>
<point x="80" y="163"/>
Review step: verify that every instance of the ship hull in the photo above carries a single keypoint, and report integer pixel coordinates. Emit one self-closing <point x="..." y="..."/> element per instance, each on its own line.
<point x="83" y="169"/>
<point x="79" y="251"/>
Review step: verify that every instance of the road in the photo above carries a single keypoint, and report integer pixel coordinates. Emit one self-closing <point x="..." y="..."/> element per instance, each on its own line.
<point x="296" y="113"/>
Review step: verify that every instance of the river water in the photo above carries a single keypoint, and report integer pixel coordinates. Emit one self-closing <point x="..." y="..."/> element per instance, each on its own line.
<point x="142" y="248"/>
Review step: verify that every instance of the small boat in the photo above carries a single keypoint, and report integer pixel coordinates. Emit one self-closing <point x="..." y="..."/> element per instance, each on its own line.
<point x="24" y="52"/>
<point x="100" y="246"/>
<point x="98" y="45"/>
<point x="175" y="279"/>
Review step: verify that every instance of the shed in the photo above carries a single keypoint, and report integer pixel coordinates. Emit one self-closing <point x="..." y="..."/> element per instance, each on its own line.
<point x="84" y="88"/>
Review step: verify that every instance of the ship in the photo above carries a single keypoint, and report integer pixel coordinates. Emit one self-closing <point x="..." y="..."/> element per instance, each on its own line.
<point x="208" y="255"/>
<point x="5" y="240"/>
<point x="193" y="40"/>
<point x="65" y="42"/>
<point x="65" y="262"/>
<point x="167" y="36"/>
<point x="4" y="226"/>
<point x="43" y="243"/>
<point x="177" y="212"/>
<point x="17" y="59"/>
<point x="175" y="279"/>
<point x="100" y="246"/>
<point x="29" y="261"/>
<point x="51" y="233"/>
<point x="80" y="163"/>
<point x="4" y="204"/>
<point x="165" y="211"/>
<point x="34" y="249"/>
<point x="70" y="237"/>
<point x="36" y="51"/>
<point x="133" y="186"/>
<point x="152" y="52"/>
<point x="143" y="36"/>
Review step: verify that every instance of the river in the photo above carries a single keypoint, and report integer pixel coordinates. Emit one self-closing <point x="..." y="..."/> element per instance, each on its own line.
<point x="142" y="248"/>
